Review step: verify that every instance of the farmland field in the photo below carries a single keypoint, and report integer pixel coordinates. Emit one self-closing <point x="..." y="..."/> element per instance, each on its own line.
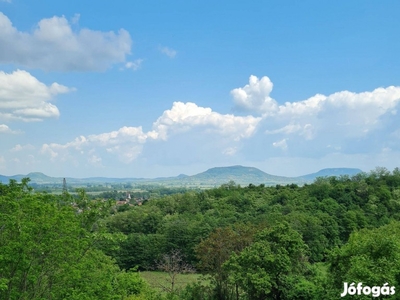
<point x="162" y="281"/>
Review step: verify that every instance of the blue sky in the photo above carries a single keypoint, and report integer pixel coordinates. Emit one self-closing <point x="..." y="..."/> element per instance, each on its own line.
<point x="159" y="88"/>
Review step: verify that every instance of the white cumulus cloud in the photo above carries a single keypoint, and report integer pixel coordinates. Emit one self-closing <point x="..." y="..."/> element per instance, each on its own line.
<point x="127" y="142"/>
<point x="122" y="142"/>
<point x="348" y="113"/>
<point x="352" y="114"/>
<point x="54" y="45"/>
<point x="184" y="116"/>
<point x="255" y="96"/>
<point x="23" y="97"/>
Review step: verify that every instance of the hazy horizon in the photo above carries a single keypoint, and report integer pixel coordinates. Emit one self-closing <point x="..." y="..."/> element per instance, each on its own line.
<point x="177" y="175"/>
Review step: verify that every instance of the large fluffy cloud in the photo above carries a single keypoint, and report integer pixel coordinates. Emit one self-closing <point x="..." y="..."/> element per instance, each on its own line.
<point x="127" y="142"/>
<point x="343" y="113"/>
<point x="23" y="97"/>
<point x="184" y="116"/>
<point x="54" y="45"/>
<point x="368" y="106"/>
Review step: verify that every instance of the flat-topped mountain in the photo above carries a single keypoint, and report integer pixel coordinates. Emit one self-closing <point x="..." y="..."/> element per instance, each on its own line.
<point x="212" y="177"/>
<point x="331" y="172"/>
<point x="239" y="174"/>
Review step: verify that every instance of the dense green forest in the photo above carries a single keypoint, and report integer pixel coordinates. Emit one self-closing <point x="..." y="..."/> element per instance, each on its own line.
<point x="252" y="242"/>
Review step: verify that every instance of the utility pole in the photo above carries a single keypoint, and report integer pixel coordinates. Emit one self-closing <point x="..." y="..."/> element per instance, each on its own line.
<point x="65" y="191"/>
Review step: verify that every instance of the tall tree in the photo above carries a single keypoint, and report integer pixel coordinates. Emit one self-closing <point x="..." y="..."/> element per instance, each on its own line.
<point x="214" y="251"/>
<point x="267" y="268"/>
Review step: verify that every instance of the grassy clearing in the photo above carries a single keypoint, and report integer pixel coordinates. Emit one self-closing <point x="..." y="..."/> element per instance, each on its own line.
<point x="161" y="280"/>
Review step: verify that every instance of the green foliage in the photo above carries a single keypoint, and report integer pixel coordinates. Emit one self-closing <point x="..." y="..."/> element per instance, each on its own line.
<point x="253" y="242"/>
<point x="197" y="291"/>
<point x="266" y="269"/>
<point x="49" y="249"/>
<point x="371" y="256"/>
<point x="214" y="251"/>
<point x="202" y="226"/>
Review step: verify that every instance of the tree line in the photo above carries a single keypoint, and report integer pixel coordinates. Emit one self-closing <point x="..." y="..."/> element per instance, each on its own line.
<point x="281" y="242"/>
<point x="251" y="242"/>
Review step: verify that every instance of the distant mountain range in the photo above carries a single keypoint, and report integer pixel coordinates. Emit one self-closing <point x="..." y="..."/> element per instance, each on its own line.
<point x="212" y="177"/>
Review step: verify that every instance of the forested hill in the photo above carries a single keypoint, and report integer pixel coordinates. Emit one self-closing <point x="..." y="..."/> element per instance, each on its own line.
<point x="212" y="177"/>
<point x="252" y="242"/>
